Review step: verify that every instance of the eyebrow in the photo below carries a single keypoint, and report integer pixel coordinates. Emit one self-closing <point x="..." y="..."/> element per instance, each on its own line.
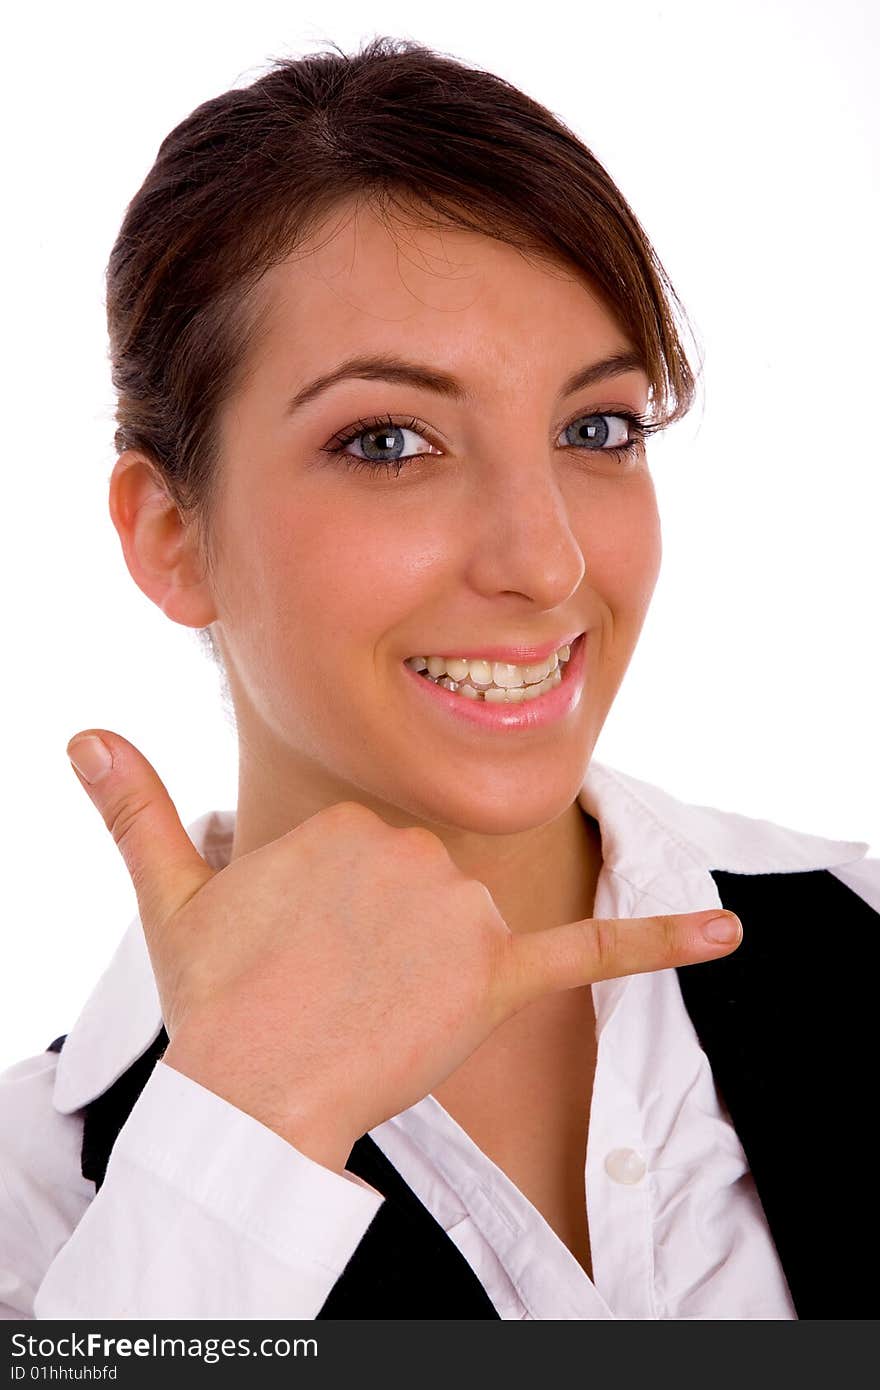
<point x="387" y="367"/>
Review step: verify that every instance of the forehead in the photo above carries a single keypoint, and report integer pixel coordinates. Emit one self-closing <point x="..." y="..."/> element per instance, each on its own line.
<point x="369" y="280"/>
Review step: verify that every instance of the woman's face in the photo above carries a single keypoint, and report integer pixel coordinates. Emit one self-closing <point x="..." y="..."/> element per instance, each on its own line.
<point x="507" y="530"/>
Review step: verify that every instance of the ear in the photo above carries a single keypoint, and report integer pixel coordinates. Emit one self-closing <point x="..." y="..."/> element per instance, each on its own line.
<point x="159" y="545"/>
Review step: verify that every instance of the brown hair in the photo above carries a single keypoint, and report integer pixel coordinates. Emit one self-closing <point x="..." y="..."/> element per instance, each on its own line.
<point x="248" y="175"/>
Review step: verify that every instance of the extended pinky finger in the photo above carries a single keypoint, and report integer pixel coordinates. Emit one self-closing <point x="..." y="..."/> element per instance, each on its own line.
<point x="580" y="953"/>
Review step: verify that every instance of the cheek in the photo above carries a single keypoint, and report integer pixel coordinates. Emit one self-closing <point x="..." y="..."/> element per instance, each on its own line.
<point x="622" y="548"/>
<point x="337" y="567"/>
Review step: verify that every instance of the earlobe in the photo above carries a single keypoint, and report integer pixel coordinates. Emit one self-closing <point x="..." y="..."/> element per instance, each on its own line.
<point x="158" y="544"/>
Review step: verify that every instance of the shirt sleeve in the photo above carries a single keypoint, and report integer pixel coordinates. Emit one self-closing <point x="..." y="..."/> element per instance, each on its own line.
<point x="42" y="1191"/>
<point x="204" y="1213"/>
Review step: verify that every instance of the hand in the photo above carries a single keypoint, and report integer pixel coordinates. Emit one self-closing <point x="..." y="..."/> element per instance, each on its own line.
<point x="334" y="977"/>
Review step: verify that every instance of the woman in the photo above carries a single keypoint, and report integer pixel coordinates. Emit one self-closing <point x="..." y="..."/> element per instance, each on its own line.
<point x="387" y="343"/>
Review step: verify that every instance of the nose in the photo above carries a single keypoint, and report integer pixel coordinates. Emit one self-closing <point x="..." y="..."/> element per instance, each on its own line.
<point x="523" y="540"/>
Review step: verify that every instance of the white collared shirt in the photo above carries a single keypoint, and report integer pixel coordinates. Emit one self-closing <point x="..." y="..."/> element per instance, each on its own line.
<point x="206" y="1213"/>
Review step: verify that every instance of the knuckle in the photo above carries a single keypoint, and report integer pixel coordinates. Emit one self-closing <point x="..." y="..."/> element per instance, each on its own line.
<point x="349" y="813"/>
<point x="670" y="938"/>
<point x="471" y="899"/>
<point x="483" y="901"/>
<point x="418" y="837"/>
<point x="123" y="816"/>
<point x="507" y="987"/>
<point x="605" y="940"/>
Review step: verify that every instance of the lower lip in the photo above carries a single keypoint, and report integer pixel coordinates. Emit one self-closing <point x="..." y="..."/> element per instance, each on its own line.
<point x="548" y="708"/>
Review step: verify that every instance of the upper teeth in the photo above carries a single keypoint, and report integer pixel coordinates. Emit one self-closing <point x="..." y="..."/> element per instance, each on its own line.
<point x="481" y="672"/>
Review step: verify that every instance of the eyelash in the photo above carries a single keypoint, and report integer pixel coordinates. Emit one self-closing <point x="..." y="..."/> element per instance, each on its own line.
<point x="640" y="426"/>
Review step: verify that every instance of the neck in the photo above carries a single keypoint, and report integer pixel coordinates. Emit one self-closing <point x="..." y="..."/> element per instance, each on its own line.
<point x="538" y="878"/>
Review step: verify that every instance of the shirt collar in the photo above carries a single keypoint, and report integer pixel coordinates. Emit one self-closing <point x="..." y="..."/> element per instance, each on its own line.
<point x="661" y="847"/>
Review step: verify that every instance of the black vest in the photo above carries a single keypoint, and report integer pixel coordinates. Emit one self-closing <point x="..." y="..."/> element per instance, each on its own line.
<point x="787" y="1023"/>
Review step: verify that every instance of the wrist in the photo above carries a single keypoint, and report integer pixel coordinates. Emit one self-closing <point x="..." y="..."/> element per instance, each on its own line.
<point x="310" y="1126"/>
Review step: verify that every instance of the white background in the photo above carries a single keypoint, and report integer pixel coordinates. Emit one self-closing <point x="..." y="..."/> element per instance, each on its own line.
<point x="745" y="137"/>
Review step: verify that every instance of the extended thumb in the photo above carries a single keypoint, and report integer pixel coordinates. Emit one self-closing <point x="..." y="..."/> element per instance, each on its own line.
<point x="164" y="864"/>
<point x="90" y="756"/>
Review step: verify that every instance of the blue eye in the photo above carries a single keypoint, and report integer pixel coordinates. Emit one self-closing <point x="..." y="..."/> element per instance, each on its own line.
<point x="596" y="432"/>
<point x="382" y="453"/>
<point x="384" y="438"/>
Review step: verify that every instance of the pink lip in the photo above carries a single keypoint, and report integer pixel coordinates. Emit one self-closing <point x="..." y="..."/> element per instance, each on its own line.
<point x="515" y="656"/>
<point x="532" y="714"/>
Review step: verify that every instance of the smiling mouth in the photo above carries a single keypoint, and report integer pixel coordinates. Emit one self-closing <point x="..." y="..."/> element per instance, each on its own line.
<point x="494" y="682"/>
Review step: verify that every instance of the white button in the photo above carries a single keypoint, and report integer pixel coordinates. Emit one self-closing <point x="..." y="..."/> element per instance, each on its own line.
<point x="625" y="1165"/>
